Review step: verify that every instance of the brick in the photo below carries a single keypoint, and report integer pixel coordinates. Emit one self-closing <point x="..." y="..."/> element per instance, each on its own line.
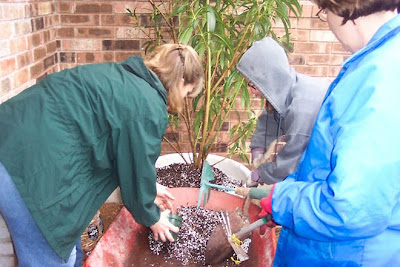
<point x="83" y="8"/>
<point x="48" y="62"/>
<point x="307" y="11"/>
<point x="81" y="44"/>
<point x="95" y="32"/>
<point x="107" y="57"/>
<point x="28" y="11"/>
<point x="288" y="47"/>
<point x="24" y="59"/>
<point x="220" y="148"/>
<point x="318" y="59"/>
<point x="131" y="33"/>
<point x="120" y="56"/>
<point x="321" y="48"/>
<point x="146" y="21"/>
<point x="33" y="10"/>
<point x="4" y="233"/>
<point x="146" y="8"/>
<point x="6" y="30"/>
<point x="296" y="59"/>
<point x="117" y="20"/>
<point x="8" y="260"/>
<point x="45" y="8"/>
<point x="121" y="45"/>
<point x="304" y="23"/>
<point x="39" y="53"/>
<point x="7" y="66"/>
<point x="172" y="136"/>
<point x="29" y="42"/>
<point x="13" y="11"/>
<point x="37" y="24"/>
<point x="337" y="48"/>
<point x="66" y="32"/>
<point x="300" y="35"/>
<point x="93" y="57"/>
<point x="36" y="70"/>
<point x="4" y="48"/>
<point x="233" y="116"/>
<point x="317" y="24"/>
<point x="48" y="22"/>
<point x="336" y="59"/>
<point x="67" y="57"/>
<point x="334" y="71"/>
<point x="223" y="137"/>
<point x="22" y="27"/>
<point x="322" y="36"/>
<point x="66" y="7"/>
<point x="21" y="77"/>
<point x="5" y="86"/>
<point x="120" y="7"/>
<point x="36" y="39"/>
<point x="46" y="36"/>
<point x="51" y="47"/>
<point x="86" y="20"/>
<point x="18" y="44"/>
<point x="315" y="71"/>
<point x="41" y="77"/>
<point x="225" y="126"/>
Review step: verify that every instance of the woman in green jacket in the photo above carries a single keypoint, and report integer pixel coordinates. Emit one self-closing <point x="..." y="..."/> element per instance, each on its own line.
<point x="67" y="142"/>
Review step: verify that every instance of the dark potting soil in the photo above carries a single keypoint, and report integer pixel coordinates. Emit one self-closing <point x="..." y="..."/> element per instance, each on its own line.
<point x="180" y="175"/>
<point x="198" y="223"/>
<point x="186" y="175"/>
<point x="190" y="245"/>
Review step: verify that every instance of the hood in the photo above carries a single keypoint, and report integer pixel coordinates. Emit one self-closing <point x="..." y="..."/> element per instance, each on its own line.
<point x="266" y="65"/>
<point x="136" y="66"/>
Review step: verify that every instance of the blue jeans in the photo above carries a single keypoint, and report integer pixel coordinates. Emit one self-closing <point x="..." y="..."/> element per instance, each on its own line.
<point x="30" y="245"/>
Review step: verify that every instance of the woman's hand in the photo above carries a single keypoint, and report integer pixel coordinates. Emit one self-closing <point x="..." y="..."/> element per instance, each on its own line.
<point x="164" y="198"/>
<point x="162" y="228"/>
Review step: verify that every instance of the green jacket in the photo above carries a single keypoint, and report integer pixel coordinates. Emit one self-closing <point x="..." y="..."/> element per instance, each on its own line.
<point x="71" y="139"/>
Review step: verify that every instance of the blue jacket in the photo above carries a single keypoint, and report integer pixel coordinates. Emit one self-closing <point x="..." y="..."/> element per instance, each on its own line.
<point x="342" y="206"/>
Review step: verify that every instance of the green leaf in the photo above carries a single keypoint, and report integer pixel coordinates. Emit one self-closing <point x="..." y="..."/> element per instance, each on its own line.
<point x="185" y="36"/>
<point x="210" y="18"/>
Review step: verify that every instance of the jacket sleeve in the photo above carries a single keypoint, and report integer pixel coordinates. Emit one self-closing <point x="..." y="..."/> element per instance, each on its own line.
<point x="297" y="127"/>
<point x="358" y="196"/>
<point x="138" y="145"/>
<point x="286" y="160"/>
<point x="266" y="130"/>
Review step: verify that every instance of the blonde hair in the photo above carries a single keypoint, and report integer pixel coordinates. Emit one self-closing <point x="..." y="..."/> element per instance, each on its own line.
<point x="171" y="63"/>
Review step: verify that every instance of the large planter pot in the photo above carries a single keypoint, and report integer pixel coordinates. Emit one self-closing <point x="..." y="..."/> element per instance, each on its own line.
<point x="126" y="243"/>
<point x="233" y="169"/>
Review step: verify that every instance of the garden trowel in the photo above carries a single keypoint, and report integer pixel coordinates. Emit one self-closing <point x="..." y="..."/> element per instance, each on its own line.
<point x="222" y="242"/>
<point x="207" y="175"/>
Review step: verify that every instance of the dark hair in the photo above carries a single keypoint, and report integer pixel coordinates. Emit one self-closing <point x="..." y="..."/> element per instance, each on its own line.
<point x="353" y="9"/>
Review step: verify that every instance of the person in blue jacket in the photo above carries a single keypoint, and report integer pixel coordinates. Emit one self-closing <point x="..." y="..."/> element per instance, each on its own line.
<point x="68" y="141"/>
<point x="342" y="205"/>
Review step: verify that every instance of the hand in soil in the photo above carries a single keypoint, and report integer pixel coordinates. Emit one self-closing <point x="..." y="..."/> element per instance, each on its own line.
<point x="164" y="198"/>
<point x="162" y="228"/>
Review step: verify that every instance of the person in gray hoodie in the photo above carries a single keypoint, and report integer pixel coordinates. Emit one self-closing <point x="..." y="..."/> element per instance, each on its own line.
<point x="292" y="103"/>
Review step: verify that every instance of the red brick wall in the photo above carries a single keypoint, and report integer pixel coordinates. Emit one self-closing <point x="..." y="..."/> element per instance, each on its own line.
<point x="27" y="44"/>
<point x="38" y="37"/>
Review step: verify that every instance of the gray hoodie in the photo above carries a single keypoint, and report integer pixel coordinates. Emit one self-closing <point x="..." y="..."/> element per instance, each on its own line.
<point x="296" y="99"/>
